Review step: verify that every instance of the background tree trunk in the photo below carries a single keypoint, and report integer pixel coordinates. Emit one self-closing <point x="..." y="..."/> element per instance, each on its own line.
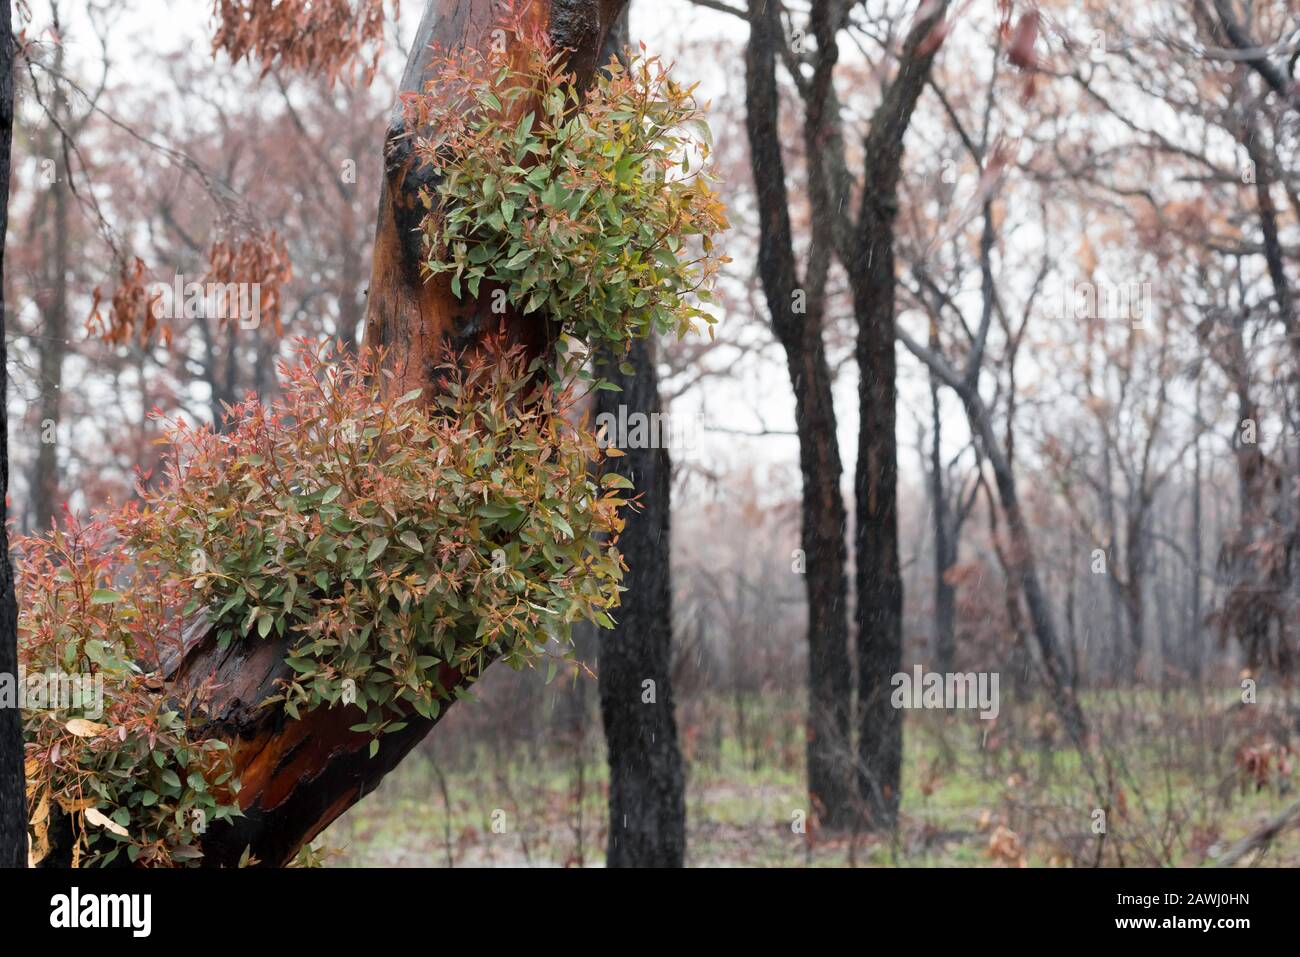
<point x="946" y="537"/>
<point x="13" y="798"/>
<point x="878" y="578"/>
<point x="51" y="344"/>
<point x="647" y="804"/>
<point x="796" y="308"/>
<point x="647" y="781"/>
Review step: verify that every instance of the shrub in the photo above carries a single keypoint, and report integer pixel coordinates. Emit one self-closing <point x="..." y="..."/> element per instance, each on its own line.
<point x="110" y="752"/>
<point x="395" y="544"/>
<point x="391" y="538"/>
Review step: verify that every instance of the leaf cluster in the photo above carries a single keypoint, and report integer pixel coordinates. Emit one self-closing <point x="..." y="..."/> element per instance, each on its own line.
<point x="394" y="545"/>
<point x="595" y="211"/>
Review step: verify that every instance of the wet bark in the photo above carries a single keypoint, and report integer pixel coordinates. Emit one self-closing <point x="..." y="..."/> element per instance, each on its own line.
<point x="878" y="579"/>
<point x="51" y="346"/>
<point x="412" y="320"/>
<point x="796" y="305"/>
<point x="647" y="804"/>
<point x="946" y="536"/>
<point x="13" y="800"/>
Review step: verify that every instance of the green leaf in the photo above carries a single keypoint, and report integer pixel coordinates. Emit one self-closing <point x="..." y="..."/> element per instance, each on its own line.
<point x="519" y="258"/>
<point x="104" y="596"/>
<point x="377" y="548"/>
<point x="411" y="541"/>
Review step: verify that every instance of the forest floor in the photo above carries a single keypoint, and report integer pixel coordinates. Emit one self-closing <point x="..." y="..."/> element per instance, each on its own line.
<point x="1187" y="775"/>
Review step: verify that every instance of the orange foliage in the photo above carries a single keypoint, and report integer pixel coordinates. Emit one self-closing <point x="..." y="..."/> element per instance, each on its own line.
<point x="323" y="37"/>
<point x="134" y="309"/>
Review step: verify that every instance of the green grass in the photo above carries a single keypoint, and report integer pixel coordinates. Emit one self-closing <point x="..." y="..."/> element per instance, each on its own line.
<point x="1166" y="768"/>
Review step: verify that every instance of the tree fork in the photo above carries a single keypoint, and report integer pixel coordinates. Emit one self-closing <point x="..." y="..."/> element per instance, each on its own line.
<point x="414" y="321"/>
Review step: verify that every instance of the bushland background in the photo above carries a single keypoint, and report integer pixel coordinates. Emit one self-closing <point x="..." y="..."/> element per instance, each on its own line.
<point x="1096" y="231"/>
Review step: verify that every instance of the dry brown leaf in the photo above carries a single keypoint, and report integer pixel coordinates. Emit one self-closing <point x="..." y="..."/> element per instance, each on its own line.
<point x="1004" y="844"/>
<point x="98" y="818"/>
<point x="86" y="729"/>
<point x="42" y="811"/>
<point x="38" y="842"/>
<point x="72" y="807"/>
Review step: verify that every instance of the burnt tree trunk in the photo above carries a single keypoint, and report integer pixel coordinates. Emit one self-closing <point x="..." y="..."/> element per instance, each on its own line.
<point x="647" y="782"/>
<point x="1018" y="558"/>
<point x="52" y="346"/>
<point x="647" y="804"/>
<point x="1194" y="639"/>
<point x="13" y="800"/>
<point x="1022" y="568"/>
<point x="415" y="321"/>
<point x="298" y="776"/>
<point x="878" y="578"/>
<point x="796" y="306"/>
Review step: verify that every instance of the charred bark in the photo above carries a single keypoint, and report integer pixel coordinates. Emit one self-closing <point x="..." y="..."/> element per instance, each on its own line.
<point x="878" y="578"/>
<point x="412" y="320"/>
<point x="52" y="345"/>
<point x="946" y="527"/>
<point x="824" y="519"/>
<point x="647" y="804"/>
<point x="13" y="800"/>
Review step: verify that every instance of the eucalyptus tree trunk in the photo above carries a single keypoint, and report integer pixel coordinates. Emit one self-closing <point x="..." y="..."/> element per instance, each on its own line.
<point x="647" y="804"/>
<point x="945" y="544"/>
<point x="13" y="799"/>
<point x="869" y="260"/>
<point x="647" y="782"/>
<point x="51" y="346"/>
<point x="299" y="775"/>
<point x="796" y="305"/>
